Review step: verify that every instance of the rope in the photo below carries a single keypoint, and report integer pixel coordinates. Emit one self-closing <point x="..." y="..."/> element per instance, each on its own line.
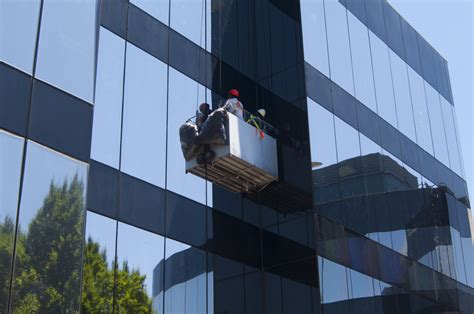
<point x="203" y="13"/>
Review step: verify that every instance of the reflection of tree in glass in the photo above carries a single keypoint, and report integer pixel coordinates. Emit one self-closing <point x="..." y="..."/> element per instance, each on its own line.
<point x="98" y="280"/>
<point x="48" y="256"/>
<point x="48" y="262"/>
<point x="7" y="228"/>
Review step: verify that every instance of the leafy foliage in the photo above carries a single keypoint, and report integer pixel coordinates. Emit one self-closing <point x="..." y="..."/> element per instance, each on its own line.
<point x="50" y="263"/>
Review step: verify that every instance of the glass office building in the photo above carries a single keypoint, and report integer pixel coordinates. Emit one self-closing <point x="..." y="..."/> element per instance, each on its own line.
<point x="370" y="214"/>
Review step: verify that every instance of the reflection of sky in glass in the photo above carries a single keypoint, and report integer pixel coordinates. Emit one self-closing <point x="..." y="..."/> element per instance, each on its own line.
<point x="156" y="8"/>
<point x="11" y="150"/>
<point x="18" y="47"/>
<point x="361" y="62"/>
<point x="105" y="146"/>
<point x="102" y="230"/>
<point x="338" y="44"/>
<point x="66" y="49"/>
<point x="362" y="286"/>
<point x="383" y="80"/>
<point x="185" y="95"/>
<point x="144" y="117"/>
<point x="44" y="166"/>
<point x="314" y="34"/>
<point x="188" y="18"/>
<point x="173" y="247"/>
<point x="142" y="250"/>
<point x="333" y="281"/>
<point x="347" y="139"/>
<point x="321" y="133"/>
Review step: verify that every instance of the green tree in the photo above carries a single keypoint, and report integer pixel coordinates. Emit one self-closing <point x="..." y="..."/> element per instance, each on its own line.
<point x="7" y="229"/>
<point x="51" y="261"/>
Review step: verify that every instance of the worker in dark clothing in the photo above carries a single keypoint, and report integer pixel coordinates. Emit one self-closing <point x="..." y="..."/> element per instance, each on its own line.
<point x="207" y="154"/>
<point x="203" y="114"/>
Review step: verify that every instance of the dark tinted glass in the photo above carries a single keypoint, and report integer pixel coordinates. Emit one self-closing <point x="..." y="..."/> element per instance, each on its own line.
<point x="344" y="105"/>
<point x="60" y="121"/>
<point x="427" y="64"/>
<point x="103" y="189"/>
<point x="318" y="87"/>
<point x="411" y="46"/>
<point x="141" y="204"/>
<point x="375" y="18"/>
<point x="393" y="28"/>
<point x="15" y="94"/>
<point x="185" y="219"/>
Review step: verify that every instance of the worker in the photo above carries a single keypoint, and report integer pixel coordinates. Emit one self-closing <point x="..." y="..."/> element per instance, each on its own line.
<point x="233" y="104"/>
<point x="203" y="114"/>
<point x="256" y="121"/>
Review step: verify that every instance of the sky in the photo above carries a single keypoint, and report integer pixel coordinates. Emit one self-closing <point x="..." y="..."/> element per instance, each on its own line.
<point x="448" y="26"/>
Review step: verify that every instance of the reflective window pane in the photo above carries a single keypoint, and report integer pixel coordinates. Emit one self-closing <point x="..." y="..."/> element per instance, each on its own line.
<point x="189" y="18"/>
<point x="422" y="123"/>
<point x="11" y="151"/>
<point x="185" y="94"/>
<point x="347" y="139"/>
<point x="338" y="43"/>
<point x="106" y="129"/>
<point x="314" y="35"/>
<point x="159" y="9"/>
<point x="450" y="129"/>
<point x="140" y="260"/>
<point x="50" y="233"/>
<point x="185" y="278"/>
<point x="144" y="117"/>
<point x="66" y="54"/>
<point x="362" y="285"/>
<point x="98" y="264"/>
<point x="401" y="87"/>
<point x="383" y="80"/>
<point x="361" y="62"/>
<point x="437" y="124"/>
<point x="18" y="47"/>
<point x="332" y="281"/>
<point x="323" y="144"/>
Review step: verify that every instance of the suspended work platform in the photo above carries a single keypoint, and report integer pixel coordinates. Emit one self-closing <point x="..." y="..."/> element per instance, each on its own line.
<point x="246" y="163"/>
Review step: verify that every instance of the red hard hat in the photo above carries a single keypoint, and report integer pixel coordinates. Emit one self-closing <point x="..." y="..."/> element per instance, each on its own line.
<point x="234" y="92"/>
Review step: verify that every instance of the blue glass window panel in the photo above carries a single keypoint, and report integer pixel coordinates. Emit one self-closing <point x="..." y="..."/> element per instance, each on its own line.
<point x="393" y="29"/>
<point x="383" y="80"/>
<point x="347" y="139"/>
<point x="420" y="111"/>
<point x="333" y="281"/>
<point x="107" y="120"/>
<point x="185" y="94"/>
<point x="18" y="47"/>
<point x="338" y="45"/>
<point x="450" y="129"/>
<point x="189" y="19"/>
<point x="142" y="251"/>
<point x="159" y="9"/>
<point x="144" y="117"/>
<point x="375" y="17"/>
<point x="314" y="35"/>
<point x="401" y="87"/>
<point x="361" y="285"/>
<point x="410" y="41"/>
<point x="437" y="124"/>
<point x="66" y="54"/>
<point x="361" y="62"/>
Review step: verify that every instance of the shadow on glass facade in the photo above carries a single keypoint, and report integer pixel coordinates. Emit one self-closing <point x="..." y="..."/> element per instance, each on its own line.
<point x="370" y="214"/>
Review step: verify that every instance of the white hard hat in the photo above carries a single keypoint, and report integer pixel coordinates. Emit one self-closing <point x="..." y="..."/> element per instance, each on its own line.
<point x="262" y="112"/>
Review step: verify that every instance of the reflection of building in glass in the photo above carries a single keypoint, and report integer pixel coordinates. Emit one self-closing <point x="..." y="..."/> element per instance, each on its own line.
<point x="94" y="195"/>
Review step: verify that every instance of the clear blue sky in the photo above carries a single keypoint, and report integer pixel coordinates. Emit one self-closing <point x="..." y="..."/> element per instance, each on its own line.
<point x="448" y="26"/>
